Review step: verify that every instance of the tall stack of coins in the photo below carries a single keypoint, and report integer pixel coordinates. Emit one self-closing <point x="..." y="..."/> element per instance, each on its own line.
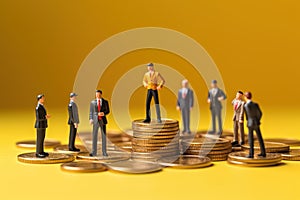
<point x="155" y="140"/>
<point x="217" y="149"/>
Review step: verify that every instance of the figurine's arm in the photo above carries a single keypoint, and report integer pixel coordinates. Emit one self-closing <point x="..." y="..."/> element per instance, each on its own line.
<point x="106" y="110"/>
<point x="208" y="97"/>
<point x="145" y="81"/>
<point x="178" y="101"/>
<point x="259" y="114"/>
<point x="192" y="99"/>
<point x="91" y="112"/>
<point x="75" y="114"/>
<point x="222" y="96"/>
<point x="241" y="117"/>
<point x="161" y="80"/>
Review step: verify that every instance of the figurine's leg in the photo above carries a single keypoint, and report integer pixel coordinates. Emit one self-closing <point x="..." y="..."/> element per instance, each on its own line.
<point x="95" y="138"/>
<point x="220" y="121"/>
<point x="148" y="101"/>
<point x="242" y="132"/>
<point x="188" y="120"/>
<point x="183" y="117"/>
<point x="103" y="136"/>
<point x="235" y="131"/>
<point x="261" y="142"/>
<point x="72" y="136"/>
<point x="251" y="142"/>
<point x="157" y="107"/>
<point x="213" y="119"/>
<point x="40" y="137"/>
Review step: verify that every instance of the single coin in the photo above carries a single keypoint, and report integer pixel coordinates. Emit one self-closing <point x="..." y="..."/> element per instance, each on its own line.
<point x="287" y="141"/>
<point x="83" y="167"/>
<point x="216" y="157"/>
<point x="112" y="157"/>
<point x="31" y="144"/>
<point x="53" y="158"/>
<point x="242" y="157"/>
<point x="65" y="149"/>
<point x="134" y="166"/>
<point x="293" y="154"/>
<point x="185" y="161"/>
<point x="271" y="147"/>
<point x="215" y="152"/>
<point x="252" y="164"/>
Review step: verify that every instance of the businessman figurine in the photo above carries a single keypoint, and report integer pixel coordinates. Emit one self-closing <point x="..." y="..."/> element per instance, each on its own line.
<point x="185" y="102"/>
<point x="73" y="122"/>
<point x="153" y="81"/>
<point x="238" y="119"/>
<point x="215" y="97"/>
<point x="99" y="108"/>
<point x="41" y="124"/>
<point x="253" y="116"/>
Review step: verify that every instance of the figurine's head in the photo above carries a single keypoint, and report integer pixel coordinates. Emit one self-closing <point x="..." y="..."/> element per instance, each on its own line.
<point x="239" y="95"/>
<point x="73" y="96"/>
<point x="185" y="83"/>
<point x="98" y="94"/>
<point x="248" y="95"/>
<point x="214" y="84"/>
<point x="41" y="98"/>
<point x="150" y="66"/>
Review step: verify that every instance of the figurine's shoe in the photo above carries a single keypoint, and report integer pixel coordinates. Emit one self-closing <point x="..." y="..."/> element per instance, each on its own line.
<point x="262" y="155"/>
<point x="211" y="132"/>
<point x="242" y="143"/>
<point x="250" y="156"/>
<point x="91" y="154"/>
<point x="45" y="153"/>
<point x="158" y="120"/>
<point x="40" y="155"/>
<point x="147" y="121"/>
<point x="74" y="149"/>
<point x="235" y="144"/>
<point x="105" y="154"/>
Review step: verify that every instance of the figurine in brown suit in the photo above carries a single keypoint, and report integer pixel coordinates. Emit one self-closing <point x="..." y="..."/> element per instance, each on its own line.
<point x="238" y="120"/>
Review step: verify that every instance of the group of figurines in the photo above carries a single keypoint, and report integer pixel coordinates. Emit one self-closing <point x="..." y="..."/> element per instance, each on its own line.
<point x="154" y="81"/>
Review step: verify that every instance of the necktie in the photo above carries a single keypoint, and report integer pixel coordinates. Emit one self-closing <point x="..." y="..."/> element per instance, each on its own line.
<point x="236" y="105"/>
<point x="184" y="94"/>
<point x="99" y="108"/>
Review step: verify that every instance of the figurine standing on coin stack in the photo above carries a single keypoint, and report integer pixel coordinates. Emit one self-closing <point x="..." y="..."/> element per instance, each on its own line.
<point x="238" y="119"/>
<point x="185" y="102"/>
<point x="253" y="116"/>
<point x="99" y="108"/>
<point x="41" y="124"/>
<point x="153" y="81"/>
<point x="73" y="122"/>
<point x="215" y="97"/>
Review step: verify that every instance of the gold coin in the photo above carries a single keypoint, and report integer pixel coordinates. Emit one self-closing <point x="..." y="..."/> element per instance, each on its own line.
<point x="141" y="134"/>
<point x="287" y="141"/>
<point x="65" y="149"/>
<point x="185" y="161"/>
<point x="209" y="152"/>
<point x="293" y="155"/>
<point x="83" y="167"/>
<point x="31" y="144"/>
<point x="242" y="157"/>
<point x="151" y="130"/>
<point x="156" y="137"/>
<point x="164" y="122"/>
<point x="53" y="158"/>
<point x="194" y="147"/>
<point x="139" y="141"/>
<point x="214" y="158"/>
<point x="206" y="141"/>
<point x="168" y="149"/>
<point x="271" y="147"/>
<point x="112" y="157"/>
<point x="252" y="164"/>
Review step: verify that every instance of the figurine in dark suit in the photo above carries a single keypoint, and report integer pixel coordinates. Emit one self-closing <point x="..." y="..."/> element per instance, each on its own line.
<point x="99" y="108"/>
<point x="73" y="122"/>
<point x="253" y="116"/>
<point x="185" y="102"/>
<point x="215" y="97"/>
<point x="238" y="120"/>
<point x="41" y="124"/>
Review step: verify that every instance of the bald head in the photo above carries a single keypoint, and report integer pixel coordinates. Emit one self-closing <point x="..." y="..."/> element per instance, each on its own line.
<point x="185" y="83"/>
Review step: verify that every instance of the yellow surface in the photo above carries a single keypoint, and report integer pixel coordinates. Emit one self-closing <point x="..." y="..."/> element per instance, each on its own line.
<point x="255" y="44"/>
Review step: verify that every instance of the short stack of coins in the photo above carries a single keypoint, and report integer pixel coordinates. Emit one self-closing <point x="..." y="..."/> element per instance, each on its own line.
<point x="217" y="149"/>
<point x="155" y="140"/>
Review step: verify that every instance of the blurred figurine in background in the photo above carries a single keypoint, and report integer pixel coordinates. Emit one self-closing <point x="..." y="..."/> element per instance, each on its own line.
<point x="41" y="124"/>
<point x="153" y="81"/>
<point x="185" y="102"/>
<point x="99" y="108"/>
<point x="215" y="97"/>
<point x="73" y="122"/>
<point x="253" y="116"/>
<point x="238" y="120"/>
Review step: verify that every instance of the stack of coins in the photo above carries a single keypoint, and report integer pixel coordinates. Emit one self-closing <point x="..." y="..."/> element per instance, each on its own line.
<point x="217" y="149"/>
<point x="155" y="140"/>
<point x="271" y="147"/>
<point x="240" y="158"/>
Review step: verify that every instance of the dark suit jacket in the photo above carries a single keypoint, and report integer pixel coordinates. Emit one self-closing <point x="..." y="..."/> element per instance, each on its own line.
<point x="94" y="110"/>
<point x="253" y="114"/>
<point x="73" y="113"/>
<point x="188" y="101"/>
<point x="214" y="102"/>
<point x="41" y="121"/>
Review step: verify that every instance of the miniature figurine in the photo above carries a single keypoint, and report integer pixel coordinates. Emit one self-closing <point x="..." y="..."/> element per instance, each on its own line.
<point x="238" y="119"/>
<point x="99" y="108"/>
<point x="153" y="81"/>
<point x="185" y="102"/>
<point x="73" y="121"/>
<point x="41" y="124"/>
<point x="253" y="116"/>
<point x="215" y="97"/>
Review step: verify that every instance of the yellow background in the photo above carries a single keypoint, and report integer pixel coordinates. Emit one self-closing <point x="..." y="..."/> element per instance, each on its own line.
<point x="255" y="44"/>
